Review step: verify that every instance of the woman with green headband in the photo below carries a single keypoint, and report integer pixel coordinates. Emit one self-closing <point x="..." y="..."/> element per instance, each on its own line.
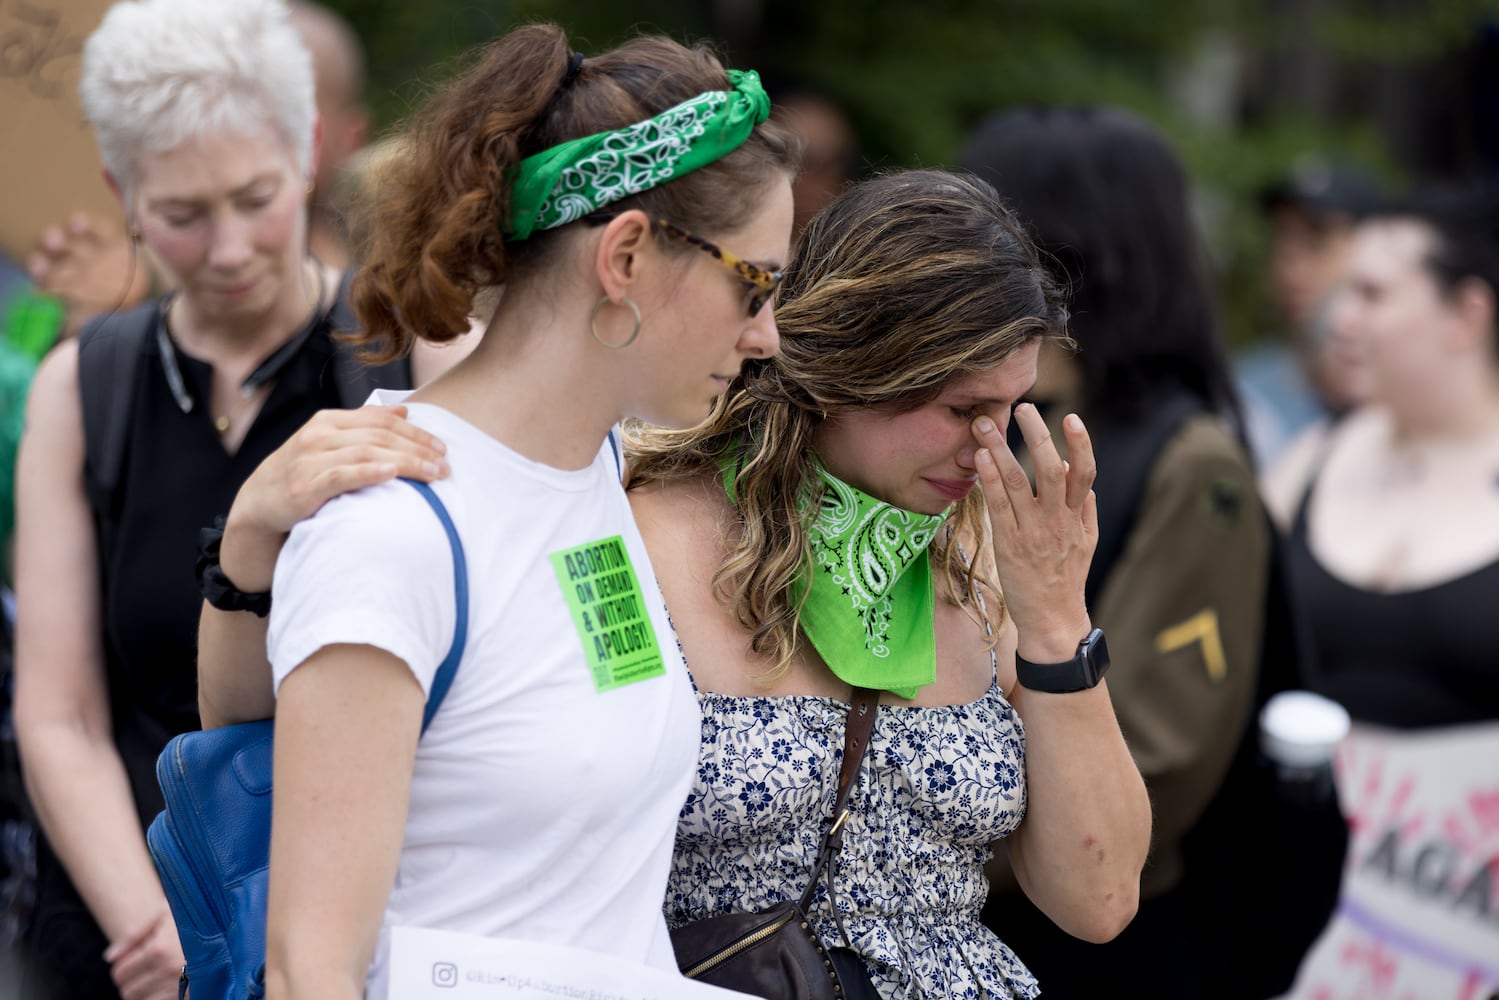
<point x="589" y="208"/>
<point x="850" y="517"/>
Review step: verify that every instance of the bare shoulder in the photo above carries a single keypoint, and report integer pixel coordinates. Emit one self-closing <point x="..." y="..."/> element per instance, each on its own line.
<point x="1328" y="454"/>
<point x="694" y="508"/>
<point x="53" y="414"/>
<point x="58" y="371"/>
<point x="664" y="496"/>
<point x="964" y="644"/>
<point x="1283" y="483"/>
<point x="686" y="525"/>
<point x="1355" y="454"/>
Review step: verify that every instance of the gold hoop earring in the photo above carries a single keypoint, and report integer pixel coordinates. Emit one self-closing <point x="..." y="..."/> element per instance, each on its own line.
<point x="593" y="316"/>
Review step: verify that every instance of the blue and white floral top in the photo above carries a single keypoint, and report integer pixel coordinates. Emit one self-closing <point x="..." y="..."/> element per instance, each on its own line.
<point x="938" y="787"/>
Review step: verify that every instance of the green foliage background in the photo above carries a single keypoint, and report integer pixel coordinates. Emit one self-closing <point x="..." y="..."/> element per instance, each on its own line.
<point x="916" y="77"/>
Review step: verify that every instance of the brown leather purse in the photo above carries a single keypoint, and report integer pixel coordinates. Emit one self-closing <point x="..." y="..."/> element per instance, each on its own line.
<point x="774" y="953"/>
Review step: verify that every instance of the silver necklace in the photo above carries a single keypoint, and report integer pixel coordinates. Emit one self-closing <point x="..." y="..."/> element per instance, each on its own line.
<point x="263" y="373"/>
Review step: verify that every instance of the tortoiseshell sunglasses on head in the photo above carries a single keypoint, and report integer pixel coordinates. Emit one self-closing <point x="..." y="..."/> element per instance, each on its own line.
<point x="763" y="284"/>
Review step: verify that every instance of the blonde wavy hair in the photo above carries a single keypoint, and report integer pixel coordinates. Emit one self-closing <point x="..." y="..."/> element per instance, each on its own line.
<point x="900" y="286"/>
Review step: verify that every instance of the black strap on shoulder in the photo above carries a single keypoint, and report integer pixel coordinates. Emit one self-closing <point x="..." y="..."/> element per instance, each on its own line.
<point x="109" y="351"/>
<point x="1125" y="457"/>
<point x="353" y="377"/>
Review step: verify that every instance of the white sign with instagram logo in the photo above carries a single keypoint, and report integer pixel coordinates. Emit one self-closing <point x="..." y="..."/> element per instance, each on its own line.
<point x="445" y="965"/>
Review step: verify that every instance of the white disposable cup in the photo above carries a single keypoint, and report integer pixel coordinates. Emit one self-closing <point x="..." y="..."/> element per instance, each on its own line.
<point x="1300" y="729"/>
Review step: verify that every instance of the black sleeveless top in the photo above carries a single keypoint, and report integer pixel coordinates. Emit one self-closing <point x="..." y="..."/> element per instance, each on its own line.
<point x="176" y="478"/>
<point x="1405" y="659"/>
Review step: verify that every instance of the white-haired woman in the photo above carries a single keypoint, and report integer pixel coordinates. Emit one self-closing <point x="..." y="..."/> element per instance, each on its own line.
<point x="206" y="122"/>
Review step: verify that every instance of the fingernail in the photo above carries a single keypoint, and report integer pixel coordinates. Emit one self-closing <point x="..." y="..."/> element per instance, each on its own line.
<point x="1073" y="422"/>
<point x="985" y="425"/>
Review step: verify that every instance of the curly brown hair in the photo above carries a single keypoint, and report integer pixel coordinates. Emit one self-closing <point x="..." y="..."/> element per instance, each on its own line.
<point x="897" y="288"/>
<point x="436" y="239"/>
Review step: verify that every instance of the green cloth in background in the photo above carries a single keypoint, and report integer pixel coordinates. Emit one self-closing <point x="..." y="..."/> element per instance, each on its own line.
<point x="30" y="322"/>
<point x="30" y="330"/>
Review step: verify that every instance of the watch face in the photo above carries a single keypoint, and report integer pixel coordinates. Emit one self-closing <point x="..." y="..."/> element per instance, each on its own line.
<point x="1095" y="653"/>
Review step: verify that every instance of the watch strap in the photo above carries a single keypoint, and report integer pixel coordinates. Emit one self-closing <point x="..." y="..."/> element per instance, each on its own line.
<point x="1080" y="673"/>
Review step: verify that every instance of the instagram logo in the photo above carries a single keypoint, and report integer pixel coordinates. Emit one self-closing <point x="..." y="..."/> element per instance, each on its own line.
<point x="444" y="974"/>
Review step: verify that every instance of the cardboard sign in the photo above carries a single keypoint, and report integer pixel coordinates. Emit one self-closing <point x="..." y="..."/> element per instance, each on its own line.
<point x="49" y="162"/>
<point x="1418" y="916"/>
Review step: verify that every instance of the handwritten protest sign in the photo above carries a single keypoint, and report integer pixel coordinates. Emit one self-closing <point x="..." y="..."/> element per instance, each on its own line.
<point x="49" y="163"/>
<point x="1418" y="918"/>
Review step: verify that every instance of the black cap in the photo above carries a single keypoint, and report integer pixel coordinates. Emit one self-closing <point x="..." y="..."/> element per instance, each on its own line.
<point x="1324" y="186"/>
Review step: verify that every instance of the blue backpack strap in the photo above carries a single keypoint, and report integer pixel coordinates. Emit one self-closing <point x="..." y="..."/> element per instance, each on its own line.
<point x="619" y="460"/>
<point x="446" y="670"/>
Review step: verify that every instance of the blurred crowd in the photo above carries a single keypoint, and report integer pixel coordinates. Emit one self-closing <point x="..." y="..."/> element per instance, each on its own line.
<point x="1295" y="543"/>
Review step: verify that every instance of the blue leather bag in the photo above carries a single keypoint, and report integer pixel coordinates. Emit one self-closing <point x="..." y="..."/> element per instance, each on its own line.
<point x="212" y="842"/>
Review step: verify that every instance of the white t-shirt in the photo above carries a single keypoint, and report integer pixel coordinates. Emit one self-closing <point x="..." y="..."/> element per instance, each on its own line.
<point x="545" y="793"/>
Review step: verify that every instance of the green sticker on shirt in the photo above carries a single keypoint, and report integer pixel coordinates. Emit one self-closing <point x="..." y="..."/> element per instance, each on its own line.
<point x="609" y="612"/>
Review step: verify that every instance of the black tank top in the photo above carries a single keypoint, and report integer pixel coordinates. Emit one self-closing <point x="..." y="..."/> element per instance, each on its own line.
<point x="176" y="478"/>
<point x="1406" y="659"/>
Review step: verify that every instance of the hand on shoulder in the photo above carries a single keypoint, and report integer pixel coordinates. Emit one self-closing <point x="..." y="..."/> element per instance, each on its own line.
<point x="336" y="452"/>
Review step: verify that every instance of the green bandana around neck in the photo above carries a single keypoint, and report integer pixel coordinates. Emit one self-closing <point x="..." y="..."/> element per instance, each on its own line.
<point x="577" y="178"/>
<point x="870" y="612"/>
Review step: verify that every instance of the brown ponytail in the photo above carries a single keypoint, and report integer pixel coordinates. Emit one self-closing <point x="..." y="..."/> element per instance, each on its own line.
<point x="436" y="240"/>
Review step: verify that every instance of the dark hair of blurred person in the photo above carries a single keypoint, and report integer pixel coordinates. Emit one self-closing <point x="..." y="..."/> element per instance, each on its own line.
<point x="1108" y="199"/>
<point x="831" y="153"/>
<point x="1185" y="560"/>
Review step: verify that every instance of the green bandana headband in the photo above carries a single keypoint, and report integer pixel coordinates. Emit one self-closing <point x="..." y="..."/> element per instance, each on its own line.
<point x="579" y="177"/>
<point x="871" y="609"/>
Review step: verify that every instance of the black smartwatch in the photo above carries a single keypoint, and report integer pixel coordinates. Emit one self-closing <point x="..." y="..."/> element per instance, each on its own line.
<point x="1080" y="673"/>
<point x="216" y="588"/>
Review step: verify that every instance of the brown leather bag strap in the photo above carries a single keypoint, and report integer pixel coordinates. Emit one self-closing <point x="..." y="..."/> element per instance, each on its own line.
<point x="864" y="704"/>
<point x="857" y="733"/>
